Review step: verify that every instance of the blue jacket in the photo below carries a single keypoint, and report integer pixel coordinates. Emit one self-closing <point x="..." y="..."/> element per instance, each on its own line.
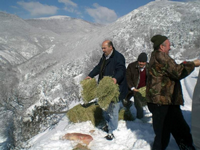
<point x="115" y="68"/>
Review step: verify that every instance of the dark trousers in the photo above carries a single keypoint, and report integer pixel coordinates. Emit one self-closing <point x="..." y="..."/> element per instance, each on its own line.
<point x="168" y="119"/>
<point x="137" y="104"/>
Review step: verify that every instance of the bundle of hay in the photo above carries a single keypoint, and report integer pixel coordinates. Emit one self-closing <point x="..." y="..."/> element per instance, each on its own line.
<point x="89" y="87"/>
<point x="142" y="91"/>
<point x="141" y="95"/>
<point x="107" y="91"/>
<point x="81" y="114"/>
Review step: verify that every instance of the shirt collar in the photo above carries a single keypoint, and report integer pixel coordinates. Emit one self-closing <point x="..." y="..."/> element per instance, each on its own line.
<point x="107" y="57"/>
<point x="141" y="69"/>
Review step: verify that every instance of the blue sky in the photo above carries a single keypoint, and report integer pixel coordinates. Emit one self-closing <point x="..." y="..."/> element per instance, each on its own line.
<point x="97" y="11"/>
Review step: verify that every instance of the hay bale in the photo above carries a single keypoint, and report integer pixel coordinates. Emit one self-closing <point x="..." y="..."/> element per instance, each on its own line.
<point x="92" y="113"/>
<point x="141" y="95"/>
<point x="89" y="87"/>
<point x="107" y="91"/>
<point x="125" y="115"/>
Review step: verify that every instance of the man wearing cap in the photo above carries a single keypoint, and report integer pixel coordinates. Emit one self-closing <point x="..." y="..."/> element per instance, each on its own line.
<point x="165" y="96"/>
<point x="136" y="74"/>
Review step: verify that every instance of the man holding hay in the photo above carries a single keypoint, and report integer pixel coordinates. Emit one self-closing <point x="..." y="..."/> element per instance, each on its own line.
<point x="136" y="75"/>
<point x="112" y="64"/>
<point x="165" y="96"/>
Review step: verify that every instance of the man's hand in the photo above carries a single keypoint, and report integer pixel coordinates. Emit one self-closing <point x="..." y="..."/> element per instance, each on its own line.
<point x="135" y="90"/>
<point x="197" y="63"/>
<point x="88" y="77"/>
<point x="115" y="81"/>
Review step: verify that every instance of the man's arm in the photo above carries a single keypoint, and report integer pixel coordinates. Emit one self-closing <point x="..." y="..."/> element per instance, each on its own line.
<point x="120" y="69"/>
<point x="128" y="77"/>
<point x="172" y="69"/>
<point x="96" y="70"/>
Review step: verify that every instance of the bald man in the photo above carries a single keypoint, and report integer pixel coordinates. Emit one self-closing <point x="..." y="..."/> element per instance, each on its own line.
<point x="112" y="64"/>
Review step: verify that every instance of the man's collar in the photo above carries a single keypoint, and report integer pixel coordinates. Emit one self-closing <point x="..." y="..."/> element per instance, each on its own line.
<point x="137" y="66"/>
<point x="141" y="69"/>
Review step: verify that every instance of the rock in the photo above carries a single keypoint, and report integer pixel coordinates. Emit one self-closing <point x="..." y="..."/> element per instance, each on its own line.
<point x="78" y="137"/>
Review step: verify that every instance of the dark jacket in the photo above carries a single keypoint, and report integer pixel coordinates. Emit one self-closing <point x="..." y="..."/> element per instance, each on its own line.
<point x="133" y="74"/>
<point x="163" y="84"/>
<point x="115" y="68"/>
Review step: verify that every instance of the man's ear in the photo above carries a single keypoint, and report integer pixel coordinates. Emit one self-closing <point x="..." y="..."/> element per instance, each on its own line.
<point x="161" y="47"/>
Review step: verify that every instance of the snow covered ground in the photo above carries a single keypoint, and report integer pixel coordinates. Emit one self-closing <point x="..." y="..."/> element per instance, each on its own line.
<point x="130" y="135"/>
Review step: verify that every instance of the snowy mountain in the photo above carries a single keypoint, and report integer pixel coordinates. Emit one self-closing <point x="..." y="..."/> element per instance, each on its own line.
<point x="179" y="21"/>
<point x="20" y="37"/>
<point x="43" y="60"/>
<point x="63" y="25"/>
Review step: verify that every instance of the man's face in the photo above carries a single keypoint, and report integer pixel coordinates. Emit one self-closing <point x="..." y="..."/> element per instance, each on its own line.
<point x="106" y="49"/>
<point x="166" y="47"/>
<point x="141" y="64"/>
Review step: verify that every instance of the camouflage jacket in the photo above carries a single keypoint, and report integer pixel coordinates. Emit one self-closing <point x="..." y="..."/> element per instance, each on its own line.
<point x="163" y="84"/>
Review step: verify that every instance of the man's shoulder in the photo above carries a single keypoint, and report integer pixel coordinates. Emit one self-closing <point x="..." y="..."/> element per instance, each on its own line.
<point x="162" y="57"/>
<point x="161" y="54"/>
<point x="118" y="54"/>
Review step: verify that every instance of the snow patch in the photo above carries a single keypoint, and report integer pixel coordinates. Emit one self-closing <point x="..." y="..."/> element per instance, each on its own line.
<point x="50" y="50"/>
